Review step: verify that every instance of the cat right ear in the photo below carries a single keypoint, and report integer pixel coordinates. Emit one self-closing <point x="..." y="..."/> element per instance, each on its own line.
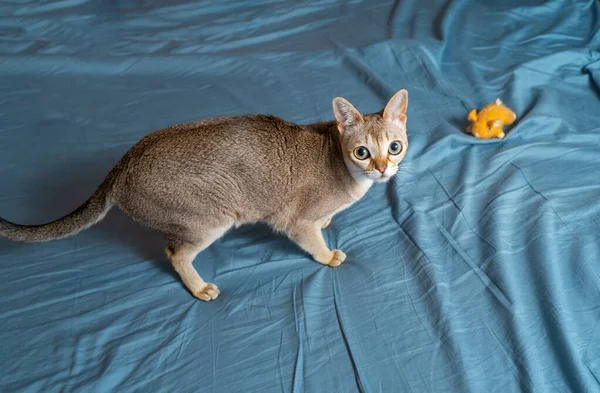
<point x="395" y="110"/>
<point x="345" y="114"/>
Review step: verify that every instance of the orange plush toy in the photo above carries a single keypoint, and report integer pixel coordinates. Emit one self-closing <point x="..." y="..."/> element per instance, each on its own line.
<point x="489" y="121"/>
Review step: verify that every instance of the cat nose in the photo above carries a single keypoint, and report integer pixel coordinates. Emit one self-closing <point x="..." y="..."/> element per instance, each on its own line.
<point x="381" y="168"/>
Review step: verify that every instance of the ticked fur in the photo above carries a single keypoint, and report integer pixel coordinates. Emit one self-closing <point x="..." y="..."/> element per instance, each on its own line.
<point x="195" y="181"/>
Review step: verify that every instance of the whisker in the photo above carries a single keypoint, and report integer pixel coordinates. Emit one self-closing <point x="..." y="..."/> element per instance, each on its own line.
<point x="405" y="174"/>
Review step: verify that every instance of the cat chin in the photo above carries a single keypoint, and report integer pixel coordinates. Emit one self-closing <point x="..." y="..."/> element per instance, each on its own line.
<point x="379" y="179"/>
<point x="382" y="179"/>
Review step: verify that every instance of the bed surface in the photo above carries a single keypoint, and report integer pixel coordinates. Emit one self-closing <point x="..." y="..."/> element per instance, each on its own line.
<point x="476" y="270"/>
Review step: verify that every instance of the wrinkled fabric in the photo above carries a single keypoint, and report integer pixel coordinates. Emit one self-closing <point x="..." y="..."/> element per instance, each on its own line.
<point x="476" y="270"/>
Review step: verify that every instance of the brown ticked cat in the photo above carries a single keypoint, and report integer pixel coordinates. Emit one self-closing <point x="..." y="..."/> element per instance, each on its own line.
<point x="195" y="181"/>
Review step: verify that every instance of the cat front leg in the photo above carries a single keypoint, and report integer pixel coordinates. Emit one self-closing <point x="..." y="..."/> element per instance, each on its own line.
<point x="309" y="237"/>
<point x="326" y="222"/>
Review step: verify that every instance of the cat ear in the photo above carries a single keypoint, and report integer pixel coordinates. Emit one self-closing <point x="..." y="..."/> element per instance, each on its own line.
<point x="395" y="110"/>
<point x="345" y="114"/>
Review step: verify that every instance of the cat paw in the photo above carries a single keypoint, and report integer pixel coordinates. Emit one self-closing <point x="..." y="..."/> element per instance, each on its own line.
<point x="326" y="223"/>
<point x="207" y="293"/>
<point x="337" y="257"/>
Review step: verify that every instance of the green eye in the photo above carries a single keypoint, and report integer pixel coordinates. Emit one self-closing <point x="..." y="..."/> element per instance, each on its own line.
<point x="361" y="152"/>
<point x="395" y="148"/>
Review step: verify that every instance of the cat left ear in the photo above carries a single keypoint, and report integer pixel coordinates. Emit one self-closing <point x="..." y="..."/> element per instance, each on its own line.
<point x="345" y="114"/>
<point x="395" y="110"/>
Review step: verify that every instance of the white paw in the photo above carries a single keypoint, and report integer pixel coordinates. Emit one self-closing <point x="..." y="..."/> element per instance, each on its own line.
<point x="337" y="257"/>
<point x="326" y="223"/>
<point x="207" y="293"/>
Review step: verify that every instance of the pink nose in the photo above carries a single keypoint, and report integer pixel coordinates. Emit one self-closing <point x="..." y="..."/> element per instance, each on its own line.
<point x="381" y="168"/>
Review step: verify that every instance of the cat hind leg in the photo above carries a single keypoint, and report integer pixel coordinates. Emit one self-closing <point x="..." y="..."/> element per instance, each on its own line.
<point x="182" y="253"/>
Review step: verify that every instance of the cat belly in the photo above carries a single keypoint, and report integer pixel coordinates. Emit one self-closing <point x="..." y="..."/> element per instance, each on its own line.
<point x="329" y="216"/>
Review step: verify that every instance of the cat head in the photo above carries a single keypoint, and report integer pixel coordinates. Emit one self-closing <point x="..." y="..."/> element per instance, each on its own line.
<point x="373" y="145"/>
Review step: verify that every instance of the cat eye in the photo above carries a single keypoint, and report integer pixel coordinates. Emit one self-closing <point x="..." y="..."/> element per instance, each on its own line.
<point x="361" y="152"/>
<point x="395" y="148"/>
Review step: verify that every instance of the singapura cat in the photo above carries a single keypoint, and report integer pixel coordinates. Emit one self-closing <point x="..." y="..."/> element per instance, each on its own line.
<point x="195" y="181"/>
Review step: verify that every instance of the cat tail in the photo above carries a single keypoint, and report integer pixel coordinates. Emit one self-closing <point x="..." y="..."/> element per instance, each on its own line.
<point x="86" y="215"/>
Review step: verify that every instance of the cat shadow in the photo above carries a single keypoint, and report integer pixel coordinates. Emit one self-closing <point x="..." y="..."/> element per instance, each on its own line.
<point x="67" y="186"/>
<point x="148" y="244"/>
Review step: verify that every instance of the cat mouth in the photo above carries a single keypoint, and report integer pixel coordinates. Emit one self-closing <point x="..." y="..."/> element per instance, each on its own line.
<point x="383" y="178"/>
<point x="379" y="177"/>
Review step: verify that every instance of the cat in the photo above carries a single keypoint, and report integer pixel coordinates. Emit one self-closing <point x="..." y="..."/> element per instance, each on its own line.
<point x="195" y="181"/>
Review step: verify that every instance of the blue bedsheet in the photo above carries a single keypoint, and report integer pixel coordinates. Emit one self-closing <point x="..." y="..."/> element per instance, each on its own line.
<point x="477" y="270"/>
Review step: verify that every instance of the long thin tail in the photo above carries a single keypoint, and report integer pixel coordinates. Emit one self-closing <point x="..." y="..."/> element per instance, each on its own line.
<point x="86" y="215"/>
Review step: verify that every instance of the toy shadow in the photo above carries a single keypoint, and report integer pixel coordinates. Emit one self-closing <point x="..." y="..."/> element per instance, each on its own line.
<point x="461" y="124"/>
